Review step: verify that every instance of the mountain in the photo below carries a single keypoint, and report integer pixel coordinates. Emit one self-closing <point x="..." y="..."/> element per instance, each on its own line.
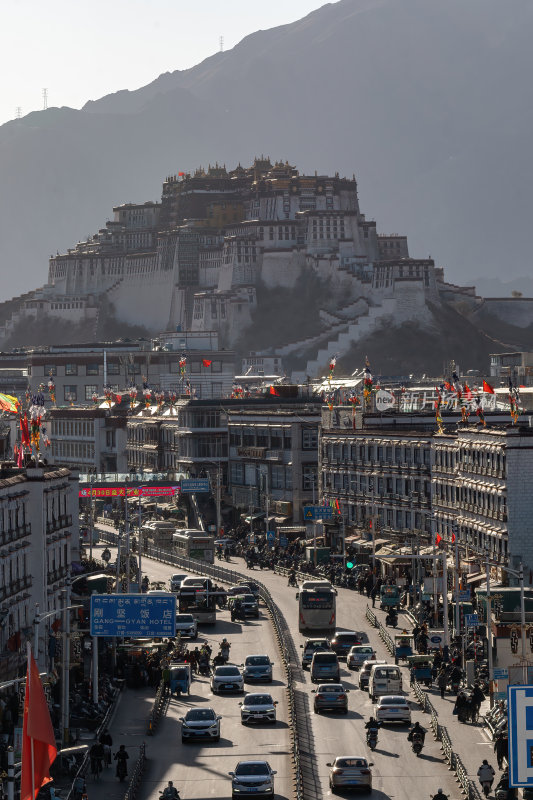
<point x="426" y="102"/>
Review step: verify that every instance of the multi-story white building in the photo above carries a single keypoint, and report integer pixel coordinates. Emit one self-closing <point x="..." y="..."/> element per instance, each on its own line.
<point x="39" y="539"/>
<point x="89" y="439"/>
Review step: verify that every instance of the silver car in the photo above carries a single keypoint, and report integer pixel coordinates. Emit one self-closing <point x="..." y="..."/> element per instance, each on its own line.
<point x="258" y="707"/>
<point x="186" y="625"/>
<point x="227" y="678"/>
<point x="258" y="668"/>
<point x="252" y="779"/>
<point x="358" y="655"/>
<point x="200" y="723"/>
<point x="350" y="772"/>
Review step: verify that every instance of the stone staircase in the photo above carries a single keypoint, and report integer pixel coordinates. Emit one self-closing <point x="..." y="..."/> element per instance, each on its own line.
<point x="354" y="332"/>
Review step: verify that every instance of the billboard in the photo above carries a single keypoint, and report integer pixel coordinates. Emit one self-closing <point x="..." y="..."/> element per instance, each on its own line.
<point x="140" y="616"/>
<point x="520" y="716"/>
<point x="114" y="490"/>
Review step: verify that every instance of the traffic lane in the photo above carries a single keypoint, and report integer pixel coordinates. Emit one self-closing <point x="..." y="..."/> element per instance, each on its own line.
<point x="395" y="765"/>
<point x="200" y="769"/>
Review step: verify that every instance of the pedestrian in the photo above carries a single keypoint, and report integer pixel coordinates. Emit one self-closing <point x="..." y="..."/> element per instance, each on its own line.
<point x="442" y="681"/>
<point x="500" y="748"/>
<point x="373" y="595"/>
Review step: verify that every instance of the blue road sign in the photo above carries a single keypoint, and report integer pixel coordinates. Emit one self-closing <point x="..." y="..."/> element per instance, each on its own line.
<point x="283" y="541"/>
<point x="471" y="620"/>
<point x="520" y="720"/>
<point x="271" y="536"/>
<point x="500" y="674"/>
<point x="313" y="513"/>
<point x="464" y="597"/>
<point x="195" y="485"/>
<point x="140" y="616"/>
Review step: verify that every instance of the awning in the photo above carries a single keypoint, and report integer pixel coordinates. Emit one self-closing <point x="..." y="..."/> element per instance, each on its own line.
<point x="254" y="517"/>
<point x="481" y="576"/>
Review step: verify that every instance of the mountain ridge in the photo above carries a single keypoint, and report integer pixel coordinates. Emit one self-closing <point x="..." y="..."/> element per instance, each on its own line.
<point x="424" y="102"/>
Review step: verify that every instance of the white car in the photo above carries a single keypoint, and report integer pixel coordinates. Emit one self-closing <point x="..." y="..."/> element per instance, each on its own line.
<point x="252" y="779"/>
<point x="175" y="581"/>
<point x="258" y="707"/>
<point x="200" y="723"/>
<point x="227" y="678"/>
<point x="186" y="625"/>
<point x="358" y="654"/>
<point x="393" y="708"/>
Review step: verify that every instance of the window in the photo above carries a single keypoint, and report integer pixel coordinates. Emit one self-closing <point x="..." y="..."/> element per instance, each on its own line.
<point x="216" y="366"/>
<point x="237" y="472"/>
<point x="216" y="388"/>
<point x="110" y="439"/>
<point x="70" y="392"/>
<point x="195" y="367"/>
<point x="113" y="368"/>
<point x="248" y="437"/>
<point x="71" y="369"/>
<point x="92" y="369"/>
<point x="90" y="389"/>
<point x="278" y="477"/>
<point x="309" y="438"/>
<point x="309" y="476"/>
<point x="287" y="439"/>
<point x="50" y="369"/>
<point x="276" y="441"/>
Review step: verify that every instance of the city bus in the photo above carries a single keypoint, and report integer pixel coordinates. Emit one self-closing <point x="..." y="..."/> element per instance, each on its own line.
<point x="317" y="602"/>
<point x="194" y="544"/>
<point x="196" y="596"/>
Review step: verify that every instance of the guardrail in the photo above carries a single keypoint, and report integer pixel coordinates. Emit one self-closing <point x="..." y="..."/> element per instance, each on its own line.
<point x="281" y="629"/>
<point x="383" y="634"/>
<point x="157" y="709"/>
<point x="131" y="791"/>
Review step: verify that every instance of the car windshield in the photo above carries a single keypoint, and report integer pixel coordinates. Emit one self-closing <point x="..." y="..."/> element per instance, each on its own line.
<point x="252" y="769"/>
<point x="350" y="762"/>
<point x="347" y="637"/>
<point x="319" y="645"/>
<point x="392" y="701"/>
<point x="258" y="700"/>
<point x="227" y="671"/>
<point x="387" y="673"/>
<point x="200" y="714"/>
<point x="333" y="688"/>
<point x="184" y="618"/>
<point x="178" y="577"/>
<point x="257" y="661"/>
<point x="248" y="598"/>
<point x="360" y="649"/>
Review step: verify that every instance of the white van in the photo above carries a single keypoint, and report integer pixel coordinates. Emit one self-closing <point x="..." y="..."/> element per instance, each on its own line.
<point x="384" y="679"/>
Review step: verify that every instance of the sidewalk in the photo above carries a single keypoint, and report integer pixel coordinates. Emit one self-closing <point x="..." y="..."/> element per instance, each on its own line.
<point x="128" y="727"/>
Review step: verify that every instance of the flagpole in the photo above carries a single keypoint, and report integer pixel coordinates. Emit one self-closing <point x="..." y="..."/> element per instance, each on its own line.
<point x="28" y="679"/>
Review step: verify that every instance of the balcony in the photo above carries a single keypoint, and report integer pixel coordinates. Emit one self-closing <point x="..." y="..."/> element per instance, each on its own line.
<point x="56" y="574"/>
<point x="63" y="521"/>
<point x="15" y="533"/>
<point x="13" y="587"/>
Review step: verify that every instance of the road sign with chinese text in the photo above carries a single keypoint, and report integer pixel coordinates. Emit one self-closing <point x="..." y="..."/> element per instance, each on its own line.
<point x="312" y="513"/>
<point x="195" y="485"/>
<point x="471" y="620"/>
<point x="137" y="615"/>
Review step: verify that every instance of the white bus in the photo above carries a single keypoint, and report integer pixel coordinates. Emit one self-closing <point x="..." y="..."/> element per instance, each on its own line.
<point x="194" y="544"/>
<point x="317" y="602"/>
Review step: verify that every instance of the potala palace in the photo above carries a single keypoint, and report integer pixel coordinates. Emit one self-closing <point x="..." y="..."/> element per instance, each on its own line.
<point x="194" y="261"/>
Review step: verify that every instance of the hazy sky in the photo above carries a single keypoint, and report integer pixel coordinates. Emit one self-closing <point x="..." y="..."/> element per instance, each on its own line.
<point x="82" y="49"/>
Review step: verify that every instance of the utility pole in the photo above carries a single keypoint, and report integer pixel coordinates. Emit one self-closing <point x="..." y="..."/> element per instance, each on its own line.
<point x="65" y="667"/>
<point x="127" y="532"/>
<point x="45" y="99"/>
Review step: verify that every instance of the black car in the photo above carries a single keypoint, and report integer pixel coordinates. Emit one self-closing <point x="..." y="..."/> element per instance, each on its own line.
<point x="343" y="641"/>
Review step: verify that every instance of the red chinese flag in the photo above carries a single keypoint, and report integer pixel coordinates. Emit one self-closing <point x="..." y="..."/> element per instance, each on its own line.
<point x="24" y="432"/>
<point x="118" y="399"/>
<point x="38" y="742"/>
<point x="206" y="362"/>
<point x="453" y="538"/>
<point x="468" y="393"/>
<point x="438" y="538"/>
<point x="487" y="388"/>
<point x="274" y="391"/>
<point x="181" y="174"/>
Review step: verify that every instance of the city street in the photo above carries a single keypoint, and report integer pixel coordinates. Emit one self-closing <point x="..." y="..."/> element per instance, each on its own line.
<point x="396" y="772"/>
<point x="200" y="770"/>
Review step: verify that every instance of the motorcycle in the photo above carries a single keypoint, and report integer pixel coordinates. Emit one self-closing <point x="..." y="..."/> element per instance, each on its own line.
<point x="372" y="738"/>
<point x="224" y="654"/>
<point x="486" y="786"/>
<point x="166" y="795"/>
<point x="292" y="581"/>
<point x="237" y="614"/>
<point x="417" y="745"/>
<point x="122" y="769"/>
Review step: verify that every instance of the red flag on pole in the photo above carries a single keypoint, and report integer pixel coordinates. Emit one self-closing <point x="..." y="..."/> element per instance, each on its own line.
<point x="438" y="539"/>
<point x="206" y="362"/>
<point x="274" y="391"/>
<point x="25" y="432"/>
<point x="487" y="388"/>
<point x="38" y="742"/>
<point x="453" y="538"/>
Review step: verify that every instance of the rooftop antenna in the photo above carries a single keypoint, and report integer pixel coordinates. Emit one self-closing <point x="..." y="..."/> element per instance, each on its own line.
<point x="45" y="99"/>
<point x="221" y="40"/>
<point x="18" y="112"/>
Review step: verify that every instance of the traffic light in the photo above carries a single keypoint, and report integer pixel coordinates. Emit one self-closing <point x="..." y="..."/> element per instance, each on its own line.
<point x="350" y="565"/>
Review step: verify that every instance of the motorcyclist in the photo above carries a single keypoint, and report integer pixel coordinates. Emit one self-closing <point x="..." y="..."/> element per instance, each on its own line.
<point x="440" y="795"/>
<point x="292" y="577"/>
<point x="485" y="773"/>
<point x="121" y="757"/>
<point x="224" y="648"/>
<point x="97" y="756"/>
<point x="106" y="741"/>
<point x="417" y="731"/>
<point x="170" y="792"/>
<point x="372" y="726"/>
